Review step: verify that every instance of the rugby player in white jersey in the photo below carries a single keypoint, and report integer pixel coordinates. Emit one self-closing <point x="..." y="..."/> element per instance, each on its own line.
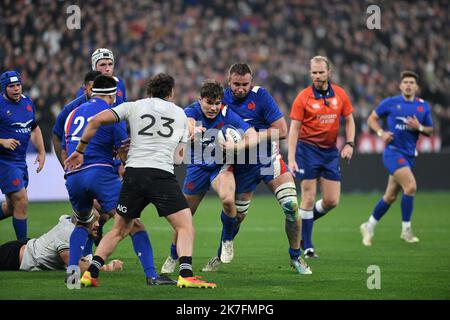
<point x="158" y="136"/>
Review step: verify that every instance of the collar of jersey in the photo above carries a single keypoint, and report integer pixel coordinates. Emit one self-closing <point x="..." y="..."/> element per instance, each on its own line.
<point x="98" y="101"/>
<point x="317" y="95"/>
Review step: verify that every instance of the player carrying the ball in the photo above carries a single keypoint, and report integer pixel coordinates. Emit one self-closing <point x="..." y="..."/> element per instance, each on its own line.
<point x="206" y="118"/>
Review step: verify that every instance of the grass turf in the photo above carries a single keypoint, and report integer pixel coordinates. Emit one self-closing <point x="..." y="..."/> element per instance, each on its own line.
<point x="260" y="269"/>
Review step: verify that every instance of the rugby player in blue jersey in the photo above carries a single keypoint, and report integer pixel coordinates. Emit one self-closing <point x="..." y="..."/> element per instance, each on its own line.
<point x="58" y="127"/>
<point x="102" y="60"/>
<point x="407" y="117"/>
<point x="256" y="106"/>
<point x="206" y="168"/>
<point x="17" y="127"/>
<point x="97" y="179"/>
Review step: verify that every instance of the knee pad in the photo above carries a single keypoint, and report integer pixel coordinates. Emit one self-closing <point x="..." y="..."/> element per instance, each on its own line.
<point x="242" y="206"/>
<point x="287" y="197"/>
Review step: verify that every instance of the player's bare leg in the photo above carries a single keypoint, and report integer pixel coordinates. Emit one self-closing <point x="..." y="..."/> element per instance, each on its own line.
<point x="367" y="229"/>
<point x="284" y="189"/>
<point x="16" y="205"/>
<point x="169" y="265"/>
<point x="225" y="187"/>
<point x="407" y="181"/>
<point x="308" y="196"/>
<point x="181" y="222"/>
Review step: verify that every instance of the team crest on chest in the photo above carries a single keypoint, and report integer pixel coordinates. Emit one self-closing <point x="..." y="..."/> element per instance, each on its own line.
<point x="315" y="106"/>
<point x="8" y="113"/>
<point x="399" y="107"/>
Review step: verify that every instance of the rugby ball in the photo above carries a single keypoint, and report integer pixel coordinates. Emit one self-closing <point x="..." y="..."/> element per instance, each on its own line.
<point x="229" y="132"/>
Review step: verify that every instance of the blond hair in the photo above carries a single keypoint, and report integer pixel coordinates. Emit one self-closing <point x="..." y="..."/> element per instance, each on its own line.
<point x="321" y="58"/>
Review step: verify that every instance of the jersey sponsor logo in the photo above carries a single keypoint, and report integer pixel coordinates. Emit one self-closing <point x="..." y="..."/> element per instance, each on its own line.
<point x="29" y="108"/>
<point x="401" y="126"/>
<point x="420" y="109"/>
<point x="22" y="124"/>
<point x="16" y="182"/>
<point x="251" y="106"/>
<point x="326" y="118"/>
<point x="122" y="208"/>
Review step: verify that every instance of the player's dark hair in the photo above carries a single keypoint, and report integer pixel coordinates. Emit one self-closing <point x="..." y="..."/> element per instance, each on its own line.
<point x="409" y="74"/>
<point x="211" y="89"/>
<point x="91" y="75"/>
<point x="160" y="86"/>
<point x="104" y="85"/>
<point x="240" y="69"/>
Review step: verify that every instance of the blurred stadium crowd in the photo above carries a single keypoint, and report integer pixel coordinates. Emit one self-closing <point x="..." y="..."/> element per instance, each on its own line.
<point x="197" y="39"/>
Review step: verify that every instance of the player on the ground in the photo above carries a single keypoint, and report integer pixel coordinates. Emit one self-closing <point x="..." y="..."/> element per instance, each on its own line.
<point x="313" y="156"/>
<point x="257" y="107"/>
<point x="97" y="179"/>
<point x="58" y="127"/>
<point x="407" y="117"/>
<point x="50" y="251"/>
<point x="206" y="167"/>
<point x="158" y="138"/>
<point x="17" y="127"/>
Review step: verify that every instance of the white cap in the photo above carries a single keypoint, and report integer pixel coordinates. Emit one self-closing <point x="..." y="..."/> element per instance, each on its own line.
<point x="101" y="53"/>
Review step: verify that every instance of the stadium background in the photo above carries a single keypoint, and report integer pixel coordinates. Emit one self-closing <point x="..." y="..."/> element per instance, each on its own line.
<point x="194" y="39"/>
<point x="197" y="39"/>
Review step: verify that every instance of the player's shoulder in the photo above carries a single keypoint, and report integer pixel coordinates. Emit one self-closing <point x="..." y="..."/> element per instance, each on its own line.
<point x="259" y="91"/>
<point x="192" y="110"/>
<point x="26" y="99"/>
<point x="422" y="101"/>
<point x="391" y="101"/>
<point x="78" y="101"/>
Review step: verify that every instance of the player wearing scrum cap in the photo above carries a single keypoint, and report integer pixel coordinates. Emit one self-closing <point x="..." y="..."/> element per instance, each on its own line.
<point x="17" y="127"/>
<point x="102" y="60"/>
<point x="158" y="138"/>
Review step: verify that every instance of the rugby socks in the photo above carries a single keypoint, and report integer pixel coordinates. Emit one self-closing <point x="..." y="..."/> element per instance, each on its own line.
<point x="295" y="253"/>
<point x="380" y="209"/>
<point x="186" y="267"/>
<point x="77" y="243"/>
<point x="407" y="206"/>
<point x="230" y="228"/>
<point x="96" y="264"/>
<point x="20" y="227"/>
<point x="88" y="247"/>
<point x="227" y="227"/>
<point x="307" y="227"/>
<point x="173" y="251"/>
<point x="143" y="248"/>
<point x="319" y="211"/>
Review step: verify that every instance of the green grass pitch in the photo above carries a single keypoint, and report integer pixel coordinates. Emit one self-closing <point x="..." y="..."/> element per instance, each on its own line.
<point x="260" y="269"/>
